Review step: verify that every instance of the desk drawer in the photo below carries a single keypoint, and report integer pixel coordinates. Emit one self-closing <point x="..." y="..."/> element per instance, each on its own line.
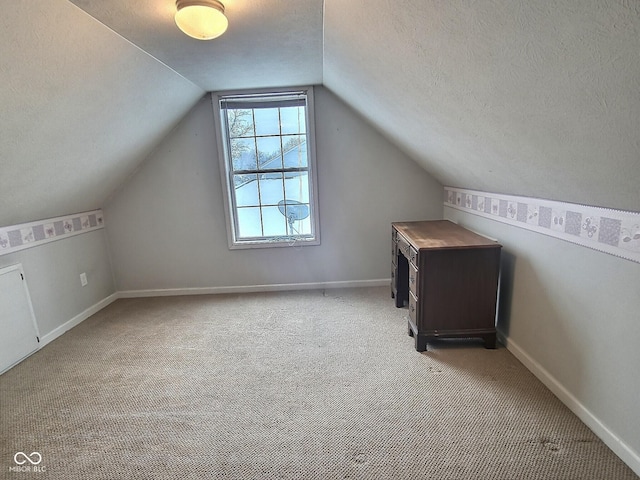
<point x="413" y="279"/>
<point x="394" y="244"/>
<point x="403" y="246"/>
<point x="413" y="308"/>
<point x="394" y="280"/>
<point x="413" y="256"/>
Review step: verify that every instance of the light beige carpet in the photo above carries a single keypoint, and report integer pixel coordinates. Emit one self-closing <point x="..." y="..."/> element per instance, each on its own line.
<point x="295" y="385"/>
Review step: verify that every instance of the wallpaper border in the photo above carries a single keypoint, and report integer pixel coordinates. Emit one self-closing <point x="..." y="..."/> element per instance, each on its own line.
<point x="28" y="235"/>
<point x="616" y="232"/>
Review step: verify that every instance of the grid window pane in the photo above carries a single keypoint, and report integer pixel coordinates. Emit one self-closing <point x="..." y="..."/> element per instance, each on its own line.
<point x="300" y="227"/>
<point x="293" y="120"/>
<point x="267" y="121"/>
<point x="243" y="153"/>
<point x="296" y="186"/>
<point x="249" y="222"/>
<point x="297" y="215"/>
<point x="246" y="190"/>
<point x="294" y="151"/>
<point x="275" y="224"/>
<point x="269" y="152"/>
<point x="240" y="123"/>
<point x="271" y="188"/>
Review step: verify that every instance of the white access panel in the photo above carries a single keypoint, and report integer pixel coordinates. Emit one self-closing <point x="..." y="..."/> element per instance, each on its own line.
<point x="19" y="335"/>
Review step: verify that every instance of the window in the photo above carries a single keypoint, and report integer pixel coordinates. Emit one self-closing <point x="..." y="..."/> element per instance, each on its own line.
<point x="267" y="154"/>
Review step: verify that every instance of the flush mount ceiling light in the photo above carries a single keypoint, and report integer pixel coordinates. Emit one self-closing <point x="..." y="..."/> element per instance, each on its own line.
<point x="201" y="19"/>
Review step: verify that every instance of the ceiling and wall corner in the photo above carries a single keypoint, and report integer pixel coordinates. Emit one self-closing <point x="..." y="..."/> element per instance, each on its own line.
<point x="269" y="43"/>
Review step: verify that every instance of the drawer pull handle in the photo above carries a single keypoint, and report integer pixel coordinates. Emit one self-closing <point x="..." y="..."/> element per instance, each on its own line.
<point x="412" y="279"/>
<point x="412" y="308"/>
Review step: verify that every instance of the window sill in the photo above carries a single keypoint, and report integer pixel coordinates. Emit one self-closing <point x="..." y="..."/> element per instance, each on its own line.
<point x="277" y="242"/>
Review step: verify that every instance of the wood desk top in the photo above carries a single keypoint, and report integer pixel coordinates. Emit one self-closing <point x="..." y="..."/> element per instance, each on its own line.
<point x="441" y="234"/>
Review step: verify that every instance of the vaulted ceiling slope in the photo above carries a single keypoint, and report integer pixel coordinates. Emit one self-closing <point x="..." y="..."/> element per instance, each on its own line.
<point x="513" y="96"/>
<point x="90" y="87"/>
<point x="81" y="106"/>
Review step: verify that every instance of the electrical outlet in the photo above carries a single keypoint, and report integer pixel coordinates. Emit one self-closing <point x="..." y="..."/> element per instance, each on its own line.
<point x="83" y="279"/>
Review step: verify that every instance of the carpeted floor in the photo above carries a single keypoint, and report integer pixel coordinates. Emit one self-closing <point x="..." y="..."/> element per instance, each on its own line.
<point x="291" y="385"/>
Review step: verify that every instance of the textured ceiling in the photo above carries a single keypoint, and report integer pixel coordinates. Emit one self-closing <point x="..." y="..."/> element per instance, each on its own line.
<point x="512" y="96"/>
<point x="525" y="97"/>
<point x="268" y="43"/>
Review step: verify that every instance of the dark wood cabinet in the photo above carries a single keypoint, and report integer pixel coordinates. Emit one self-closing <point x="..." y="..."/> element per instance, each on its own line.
<point x="448" y="276"/>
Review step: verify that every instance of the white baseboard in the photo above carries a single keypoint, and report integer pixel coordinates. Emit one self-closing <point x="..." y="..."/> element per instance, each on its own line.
<point x="621" y="449"/>
<point x="253" y="288"/>
<point x="82" y="316"/>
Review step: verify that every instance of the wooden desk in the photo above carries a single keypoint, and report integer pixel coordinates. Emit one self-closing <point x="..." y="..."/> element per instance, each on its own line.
<point x="449" y="277"/>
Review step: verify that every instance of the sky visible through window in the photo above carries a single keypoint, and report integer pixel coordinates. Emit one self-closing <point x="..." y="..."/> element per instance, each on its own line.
<point x="270" y="171"/>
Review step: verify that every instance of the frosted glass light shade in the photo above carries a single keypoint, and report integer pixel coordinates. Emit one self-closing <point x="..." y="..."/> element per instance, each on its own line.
<point x="201" y="19"/>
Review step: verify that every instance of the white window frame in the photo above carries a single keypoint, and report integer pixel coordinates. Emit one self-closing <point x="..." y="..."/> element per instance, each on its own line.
<point x="226" y="171"/>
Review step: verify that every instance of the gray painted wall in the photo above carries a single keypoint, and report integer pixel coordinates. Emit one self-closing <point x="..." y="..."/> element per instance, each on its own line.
<point x="81" y="108"/>
<point x="167" y="229"/>
<point x="53" y="273"/>
<point x="574" y="311"/>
